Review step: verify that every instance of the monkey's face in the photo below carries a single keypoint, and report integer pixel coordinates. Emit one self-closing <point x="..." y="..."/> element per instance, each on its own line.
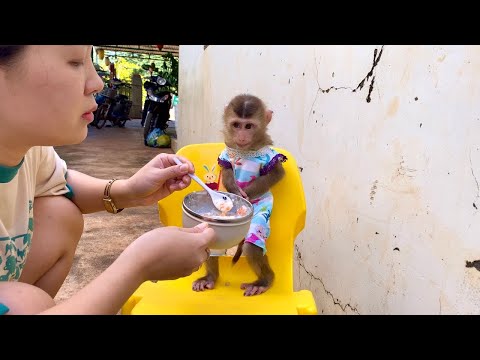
<point x="243" y="132"/>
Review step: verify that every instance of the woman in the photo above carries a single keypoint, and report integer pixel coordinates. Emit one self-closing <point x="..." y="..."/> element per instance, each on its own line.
<point x="46" y="100"/>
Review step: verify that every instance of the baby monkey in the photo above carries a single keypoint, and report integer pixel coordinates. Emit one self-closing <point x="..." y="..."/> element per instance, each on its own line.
<point x="250" y="167"/>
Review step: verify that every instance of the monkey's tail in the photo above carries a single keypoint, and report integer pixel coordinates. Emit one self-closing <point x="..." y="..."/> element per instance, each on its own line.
<point x="238" y="253"/>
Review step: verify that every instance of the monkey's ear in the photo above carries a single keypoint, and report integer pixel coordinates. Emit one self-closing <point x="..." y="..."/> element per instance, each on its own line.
<point x="268" y="115"/>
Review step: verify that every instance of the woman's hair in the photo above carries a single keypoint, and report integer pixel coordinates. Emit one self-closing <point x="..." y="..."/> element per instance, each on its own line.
<point x="10" y="53"/>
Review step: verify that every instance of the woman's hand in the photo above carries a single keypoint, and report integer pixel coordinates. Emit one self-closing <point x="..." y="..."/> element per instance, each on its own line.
<point x="168" y="253"/>
<point x="165" y="253"/>
<point x="157" y="179"/>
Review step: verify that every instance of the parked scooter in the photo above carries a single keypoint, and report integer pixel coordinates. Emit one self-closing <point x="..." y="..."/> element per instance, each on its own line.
<point x="112" y="106"/>
<point x="156" y="109"/>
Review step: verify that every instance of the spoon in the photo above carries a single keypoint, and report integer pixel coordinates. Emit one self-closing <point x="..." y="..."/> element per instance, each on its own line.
<point x="220" y="201"/>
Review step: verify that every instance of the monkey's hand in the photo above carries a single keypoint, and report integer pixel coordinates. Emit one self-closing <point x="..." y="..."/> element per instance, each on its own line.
<point x="231" y="185"/>
<point x="263" y="183"/>
<point x="243" y="193"/>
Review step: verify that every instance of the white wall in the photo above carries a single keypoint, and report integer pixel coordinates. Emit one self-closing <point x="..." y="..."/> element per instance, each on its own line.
<point x="399" y="172"/>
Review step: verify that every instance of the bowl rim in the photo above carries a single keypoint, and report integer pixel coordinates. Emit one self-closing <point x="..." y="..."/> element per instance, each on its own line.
<point x="234" y="221"/>
<point x="216" y="222"/>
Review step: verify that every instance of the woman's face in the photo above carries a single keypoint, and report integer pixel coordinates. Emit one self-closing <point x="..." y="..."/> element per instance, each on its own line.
<point x="47" y="95"/>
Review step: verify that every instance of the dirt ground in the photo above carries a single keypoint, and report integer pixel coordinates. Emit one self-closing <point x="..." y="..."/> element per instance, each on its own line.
<point x="107" y="153"/>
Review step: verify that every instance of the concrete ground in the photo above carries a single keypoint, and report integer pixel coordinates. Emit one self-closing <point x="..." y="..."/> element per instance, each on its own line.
<point x="107" y="153"/>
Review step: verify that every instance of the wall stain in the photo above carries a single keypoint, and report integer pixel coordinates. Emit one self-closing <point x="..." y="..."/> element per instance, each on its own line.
<point x="373" y="191"/>
<point x="376" y="59"/>
<point x="359" y="87"/>
<point x="393" y="107"/>
<point x="475" y="264"/>
<point x="404" y="171"/>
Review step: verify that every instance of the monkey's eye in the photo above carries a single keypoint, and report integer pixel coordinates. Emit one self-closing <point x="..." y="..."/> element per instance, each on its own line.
<point x="236" y="125"/>
<point x="248" y="126"/>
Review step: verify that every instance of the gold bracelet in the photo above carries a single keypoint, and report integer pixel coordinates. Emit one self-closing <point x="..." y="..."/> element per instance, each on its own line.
<point x="108" y="201"/>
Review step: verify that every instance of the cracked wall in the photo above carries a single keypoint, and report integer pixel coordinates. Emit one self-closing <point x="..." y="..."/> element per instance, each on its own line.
<point x="387" y="141"/>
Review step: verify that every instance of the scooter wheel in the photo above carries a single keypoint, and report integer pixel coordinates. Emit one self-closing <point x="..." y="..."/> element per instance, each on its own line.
<point x="100" y="118"/>
<point x="148" y="125"/>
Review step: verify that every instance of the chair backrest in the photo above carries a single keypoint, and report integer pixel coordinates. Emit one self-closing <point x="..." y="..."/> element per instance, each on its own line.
<point x="289" y="209"/>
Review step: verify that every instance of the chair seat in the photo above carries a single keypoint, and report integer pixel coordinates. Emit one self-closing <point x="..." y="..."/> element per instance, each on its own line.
<point x="177" y="297"/>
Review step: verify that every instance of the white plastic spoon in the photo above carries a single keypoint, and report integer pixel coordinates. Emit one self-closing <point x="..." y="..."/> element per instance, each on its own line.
<point x="220" y="201"/>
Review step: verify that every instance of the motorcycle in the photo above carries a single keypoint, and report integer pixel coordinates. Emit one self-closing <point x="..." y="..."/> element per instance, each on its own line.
<point x="112" y="106"/>
<point x="156" y="108"/>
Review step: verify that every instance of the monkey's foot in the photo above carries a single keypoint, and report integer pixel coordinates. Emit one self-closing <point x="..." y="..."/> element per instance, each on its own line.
<point x="204" y="283"/>
<point x="256" y="288"/>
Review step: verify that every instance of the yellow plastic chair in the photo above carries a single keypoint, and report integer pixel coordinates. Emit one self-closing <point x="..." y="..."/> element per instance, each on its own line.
<point x="176" y="297"/>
